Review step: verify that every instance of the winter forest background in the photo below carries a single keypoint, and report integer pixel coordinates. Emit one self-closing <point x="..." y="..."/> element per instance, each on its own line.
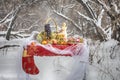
<point x="98" y="21"/>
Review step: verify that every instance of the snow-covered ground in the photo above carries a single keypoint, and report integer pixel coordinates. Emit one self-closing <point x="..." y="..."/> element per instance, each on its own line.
<point x="104" y="63"/>
<point x="10" y="67"/>
<point x="52" y="68"/>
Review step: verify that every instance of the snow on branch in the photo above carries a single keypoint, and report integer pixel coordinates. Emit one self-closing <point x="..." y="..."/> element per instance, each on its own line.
<point x="106" y="32"/>
<point x="99" y="20"/>
<point x="96" y="20"/>
<point x="17" y="34"/>
<point x="104" y="5"/>
<point x="108" y="7"/>
<point x="67" y="18"/>
<point x="34" y="24"/>
<point x="7" y="18"/>
<point x="86" y="17"/>
<point x="91" y="11"/>
<point x="14" y="16"/>
<point x="68" y="6"/>
<point x="88" y="8"/>
<point x="116" y="8"/>
<point x="85" y="1"/>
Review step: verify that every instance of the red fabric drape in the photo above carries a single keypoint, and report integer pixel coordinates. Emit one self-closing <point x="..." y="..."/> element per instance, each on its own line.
<point x="36" y="50"/>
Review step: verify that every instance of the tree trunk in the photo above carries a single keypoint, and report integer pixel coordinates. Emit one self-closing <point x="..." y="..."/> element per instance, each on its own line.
<point x="11" y="23"/>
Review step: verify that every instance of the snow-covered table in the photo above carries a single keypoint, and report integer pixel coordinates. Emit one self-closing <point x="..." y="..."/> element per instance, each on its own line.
<point x="73" y="58"/>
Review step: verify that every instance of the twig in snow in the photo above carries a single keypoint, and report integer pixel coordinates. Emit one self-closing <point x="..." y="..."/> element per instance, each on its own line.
<point x="6" y="46"/>
<point x="113" y="54"/>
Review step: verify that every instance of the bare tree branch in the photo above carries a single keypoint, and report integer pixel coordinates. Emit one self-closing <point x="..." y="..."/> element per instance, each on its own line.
<point x="18" y="34"/>
<point x="116" y="8"/>
<point x="68" y="6"/>
<point x="67" y="18"/>
<point x="96" y="20"/>
<point x="14" y="16"/>
<point x="87" y="8"/>
<point x="113" y="12"/>
<point x="104" y="5"/>
<point x="99" y="19"/>
<point x="6" y="18"/>
<point x="34" y="24"/>
<point x="86" y="17"/>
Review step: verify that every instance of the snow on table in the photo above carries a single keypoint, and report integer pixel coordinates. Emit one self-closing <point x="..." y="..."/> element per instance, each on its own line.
<point x="54" y="62"/>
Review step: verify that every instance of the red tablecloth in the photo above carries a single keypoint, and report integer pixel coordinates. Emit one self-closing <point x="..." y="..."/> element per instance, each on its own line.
<point x="36" y="50"/>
